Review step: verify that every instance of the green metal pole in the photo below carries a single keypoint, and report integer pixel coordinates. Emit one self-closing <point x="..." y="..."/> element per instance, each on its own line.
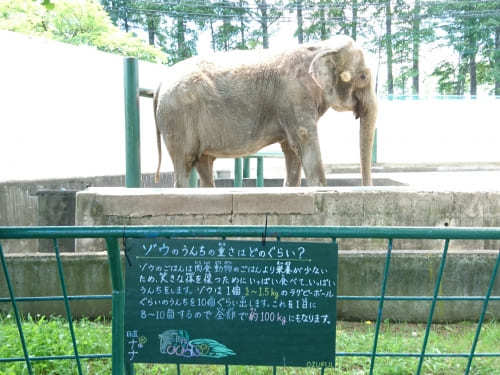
<point x="381" y="305"/>
<point x="67" y="307"/>
<point x="374" y="149"/>
<point x="117" y="307"/>
<point x="437" y="286"/>
<point x="16" y="312"/>
<point x="132" y="128"/>
<point x="238" y="173"/>
<point x="483" y="313"/>
<point x="246" y="167"/>
<point x="193" y="178"/>
<point x="260" y="171"/>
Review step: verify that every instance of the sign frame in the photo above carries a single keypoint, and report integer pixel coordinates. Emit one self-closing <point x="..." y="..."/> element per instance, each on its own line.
<point x="199" y="301"/>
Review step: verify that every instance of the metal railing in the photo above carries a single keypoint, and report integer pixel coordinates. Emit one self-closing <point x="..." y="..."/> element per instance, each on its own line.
<point x="113" y="233"/>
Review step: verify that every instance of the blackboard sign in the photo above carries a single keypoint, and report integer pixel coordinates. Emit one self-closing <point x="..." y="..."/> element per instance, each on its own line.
<point x="230" y="302"/>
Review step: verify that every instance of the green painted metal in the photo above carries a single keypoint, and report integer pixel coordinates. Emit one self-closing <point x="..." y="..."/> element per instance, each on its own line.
<point x="132" y="123"/>
<point x="16" y="312"/>
<point x="66" y="306"/>
<point x="116" y="231"/>
<point x="193" y="178"/>
<point x="56" y="298"/>
<point x="117" y="306"/>
<point x="381" y="305"/>
<point x="375" y="146"/>
<point x="260" y="172"/>
<point x="113" y="233"/>
<point x="483" y="313"/>
<point x="433" y="305"/>
<point x="246" y="167"/>
<point x="238" y="173"/>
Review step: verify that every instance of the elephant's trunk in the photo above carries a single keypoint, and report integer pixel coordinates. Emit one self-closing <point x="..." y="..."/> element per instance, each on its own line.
<point x="367" y="112"/>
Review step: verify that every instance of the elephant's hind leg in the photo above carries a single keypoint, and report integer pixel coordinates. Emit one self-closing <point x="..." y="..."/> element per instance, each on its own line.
<point x="293" y="165"/>
<point x="205" y="166"/>
<point x="182" y="171"/>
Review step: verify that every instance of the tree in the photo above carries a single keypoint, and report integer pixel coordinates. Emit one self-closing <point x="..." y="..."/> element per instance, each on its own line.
<point x="326" y="18"/>
<point x="83" y="22"/>
<point x="234" y="24"/>
<point x="265" y="14"/>
<point x="119" y="12"/>
<point x="470" y="30"/>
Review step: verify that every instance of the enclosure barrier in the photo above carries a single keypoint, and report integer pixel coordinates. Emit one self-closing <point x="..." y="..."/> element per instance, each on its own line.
<point x="113" y="233"/>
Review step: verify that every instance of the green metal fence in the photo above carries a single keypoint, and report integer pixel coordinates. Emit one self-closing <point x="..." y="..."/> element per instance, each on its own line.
<point x="112" y="235"/>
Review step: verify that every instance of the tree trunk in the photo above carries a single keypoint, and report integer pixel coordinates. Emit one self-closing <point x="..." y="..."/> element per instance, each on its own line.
<point x="226" y="26"/>
<point x="181" y="43"/>
<point x="471" y="60"/>
<point x="473" y="74"/>
<point x="242" y="29"/>
<point x="212" y="34"/>
<point x="322" y="20"/>
<point x="388" y="36"/>
<point x="300" y="23"/>
<point x="462" y="71"/>
<point x="416" y="49"/>
<point x="497" y="61"/>
<point x="354" y="24"/>
<point x="264" y="23"/>
<point x="151" y="31"/>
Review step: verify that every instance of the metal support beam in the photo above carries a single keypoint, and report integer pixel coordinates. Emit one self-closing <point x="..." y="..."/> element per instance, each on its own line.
<point x="132" y="123"/>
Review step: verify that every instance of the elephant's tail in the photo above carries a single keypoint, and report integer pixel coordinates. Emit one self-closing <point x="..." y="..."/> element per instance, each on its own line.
<point x="158" y="134"/>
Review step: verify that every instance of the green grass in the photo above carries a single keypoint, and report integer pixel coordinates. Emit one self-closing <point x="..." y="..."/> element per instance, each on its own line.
<point x="50" y="336"/>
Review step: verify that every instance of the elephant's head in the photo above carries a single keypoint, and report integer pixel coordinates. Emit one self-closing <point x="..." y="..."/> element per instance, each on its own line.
<point x="347" y="85"/>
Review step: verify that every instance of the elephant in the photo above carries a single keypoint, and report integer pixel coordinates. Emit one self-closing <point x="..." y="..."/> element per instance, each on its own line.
<point x="232" y="104"/>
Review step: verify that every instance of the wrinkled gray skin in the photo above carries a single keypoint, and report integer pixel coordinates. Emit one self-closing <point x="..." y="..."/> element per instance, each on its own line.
<point x="233" y="104"/>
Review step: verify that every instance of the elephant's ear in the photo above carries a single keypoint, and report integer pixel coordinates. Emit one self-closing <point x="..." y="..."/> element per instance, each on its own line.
<point x="323" y="68"/>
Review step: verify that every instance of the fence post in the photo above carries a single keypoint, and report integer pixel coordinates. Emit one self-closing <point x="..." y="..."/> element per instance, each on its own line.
<point x="132" y="124"/>
<point x="238" y="173"/>
<point x="260" y="172"/>
<point x="193" y="178"/>
<point x="117" y="307"/>
<point x="374" y="149"/>
<point x="246" y="167"/>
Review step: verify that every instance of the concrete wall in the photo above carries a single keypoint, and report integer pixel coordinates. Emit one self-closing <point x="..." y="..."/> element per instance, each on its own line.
<point x="413" y="269"/>
<point x="375" y="206"/>
<point x="20" y="203"/>
<point x="412" y="273"/>
<point x="52" y="201"/>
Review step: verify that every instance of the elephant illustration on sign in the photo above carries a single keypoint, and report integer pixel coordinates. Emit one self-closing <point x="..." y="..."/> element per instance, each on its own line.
<point x="235" y="103"/>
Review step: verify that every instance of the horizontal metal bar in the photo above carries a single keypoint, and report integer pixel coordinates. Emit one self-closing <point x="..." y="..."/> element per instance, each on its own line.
<point x="345" y="298"/>
<point x="491" y="233"/>
<point x="378" y="354"/>
<point x="147" y="93"/>
<point x="56" y="357"/>
<point x="57" y="298"/>
<point x="417" y="298"/>
<point x="338" y="354"/>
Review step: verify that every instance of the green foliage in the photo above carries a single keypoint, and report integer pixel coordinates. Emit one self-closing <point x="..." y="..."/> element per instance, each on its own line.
<point x="74" y="22"/>
<point x="470" y="31"/>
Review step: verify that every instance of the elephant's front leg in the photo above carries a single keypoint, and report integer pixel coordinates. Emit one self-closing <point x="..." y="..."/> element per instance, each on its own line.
<point x="293" y="165"/>
<point x="306" y="139"/>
